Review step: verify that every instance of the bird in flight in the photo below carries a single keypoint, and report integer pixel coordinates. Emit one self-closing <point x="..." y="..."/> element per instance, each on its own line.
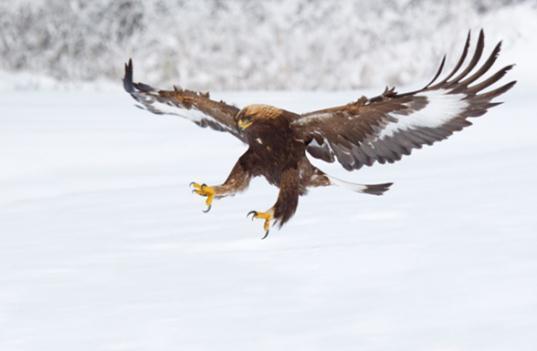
<point x="379" y="129"/>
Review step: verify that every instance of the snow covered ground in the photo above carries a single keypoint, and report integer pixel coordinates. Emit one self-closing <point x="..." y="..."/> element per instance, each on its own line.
<point x="103" y="247"/>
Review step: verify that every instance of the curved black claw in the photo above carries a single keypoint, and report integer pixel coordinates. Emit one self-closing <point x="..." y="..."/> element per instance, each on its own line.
<point x="266" y="234"/>
<point x="203" y="185"/>
<point x="253" y="213"/>
<point x="207" y="209"/>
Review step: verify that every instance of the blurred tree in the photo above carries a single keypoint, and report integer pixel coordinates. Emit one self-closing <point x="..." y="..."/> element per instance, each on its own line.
<point x="215" y="44"/>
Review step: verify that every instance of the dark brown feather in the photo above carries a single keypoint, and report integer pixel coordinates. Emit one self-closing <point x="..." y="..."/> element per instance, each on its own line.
<point x="215" y="114"/>
<point x="375" y="130"/>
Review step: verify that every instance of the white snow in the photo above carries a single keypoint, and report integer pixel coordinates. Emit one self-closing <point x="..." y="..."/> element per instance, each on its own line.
<point x="103" y="247"/>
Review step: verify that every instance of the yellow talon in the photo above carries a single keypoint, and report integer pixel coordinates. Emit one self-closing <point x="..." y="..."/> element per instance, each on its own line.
<point x="204" y="190"/>
<point x="267" y="216"/>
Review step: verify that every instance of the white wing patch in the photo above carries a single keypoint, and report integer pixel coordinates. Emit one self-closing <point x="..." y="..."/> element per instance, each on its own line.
<point x="155" y="106"/>
<point x="150" y="101"/>
<point x="441" y="107"/>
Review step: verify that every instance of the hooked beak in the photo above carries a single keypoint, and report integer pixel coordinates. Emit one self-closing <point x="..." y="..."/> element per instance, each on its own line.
<point x="244" y="124"/>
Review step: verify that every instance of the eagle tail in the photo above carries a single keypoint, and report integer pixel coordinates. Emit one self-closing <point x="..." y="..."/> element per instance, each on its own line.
<point x="376" y="189"/>
<point x="373" y="189"/>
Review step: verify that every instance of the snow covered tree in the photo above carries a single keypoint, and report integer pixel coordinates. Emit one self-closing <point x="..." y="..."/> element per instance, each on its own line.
<point x="215" y="44"/>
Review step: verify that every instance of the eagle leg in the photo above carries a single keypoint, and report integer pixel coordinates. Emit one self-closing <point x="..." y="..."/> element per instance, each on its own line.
<point x="204" y="190"/>
<point x="267" y="216"/>
<point x="237" y="181"/>
<point x="287" y="202"/>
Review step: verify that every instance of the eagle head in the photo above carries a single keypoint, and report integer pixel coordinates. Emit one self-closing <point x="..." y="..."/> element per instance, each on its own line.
<point x="256" y="113"/>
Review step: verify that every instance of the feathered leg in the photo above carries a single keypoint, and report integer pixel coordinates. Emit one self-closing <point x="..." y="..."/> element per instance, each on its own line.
<point x="237" y="181"/>
<point x="285" y="206"/>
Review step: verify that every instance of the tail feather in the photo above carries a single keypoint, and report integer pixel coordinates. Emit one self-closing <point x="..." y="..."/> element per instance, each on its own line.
<point x="377" y="189"/>
<point x="373" y="189"/>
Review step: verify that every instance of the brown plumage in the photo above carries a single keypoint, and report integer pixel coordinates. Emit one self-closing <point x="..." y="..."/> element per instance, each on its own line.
<point x="380" y="129"/>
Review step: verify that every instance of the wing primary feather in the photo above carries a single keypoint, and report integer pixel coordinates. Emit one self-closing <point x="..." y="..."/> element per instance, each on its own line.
<point x="485" y="67"/>
<point x="475" y="59"/>
<point x="493" y="93"/>
<point x="472" y="90"/>
<point x="438" y="72"/>
<point x="127" y="79"/>
<point x="459" y="63"/>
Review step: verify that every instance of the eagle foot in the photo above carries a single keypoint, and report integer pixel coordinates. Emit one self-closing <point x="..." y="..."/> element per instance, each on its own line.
<point x="204" y="190"/>
<point x="267" y="216"/>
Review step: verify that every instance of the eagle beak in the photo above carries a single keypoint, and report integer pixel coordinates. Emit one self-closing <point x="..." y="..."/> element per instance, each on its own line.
<point x="244" y="124"/>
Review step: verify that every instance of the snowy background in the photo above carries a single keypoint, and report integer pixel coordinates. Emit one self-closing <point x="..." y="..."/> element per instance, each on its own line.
<point x="103" y="247"/>
<point x="238" y="45"/>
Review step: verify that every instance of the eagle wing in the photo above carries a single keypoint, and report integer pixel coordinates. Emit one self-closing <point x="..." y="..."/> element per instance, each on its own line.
<point x="386" y="127"/>
<point x="195" y="106"/>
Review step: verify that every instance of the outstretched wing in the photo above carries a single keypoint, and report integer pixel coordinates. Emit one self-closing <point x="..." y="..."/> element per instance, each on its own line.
<point x="386" y="127"/>
<point x="195" y="106"/>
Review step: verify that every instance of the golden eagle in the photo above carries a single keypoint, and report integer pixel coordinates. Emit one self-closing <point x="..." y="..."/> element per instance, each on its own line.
<point x="382" y="128"/>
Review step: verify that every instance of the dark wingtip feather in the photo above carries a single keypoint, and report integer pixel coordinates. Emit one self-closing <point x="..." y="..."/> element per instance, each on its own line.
<point x="473" y="61"/>
<point x="489" y="81"/>
<point x="496" y="92"/>
<point x="132" y="87"/>
<point x="438" y="72"/>
<point x="459" y="63"/>
<point x="508" y="86"/>
<point x="127" y="79"/>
